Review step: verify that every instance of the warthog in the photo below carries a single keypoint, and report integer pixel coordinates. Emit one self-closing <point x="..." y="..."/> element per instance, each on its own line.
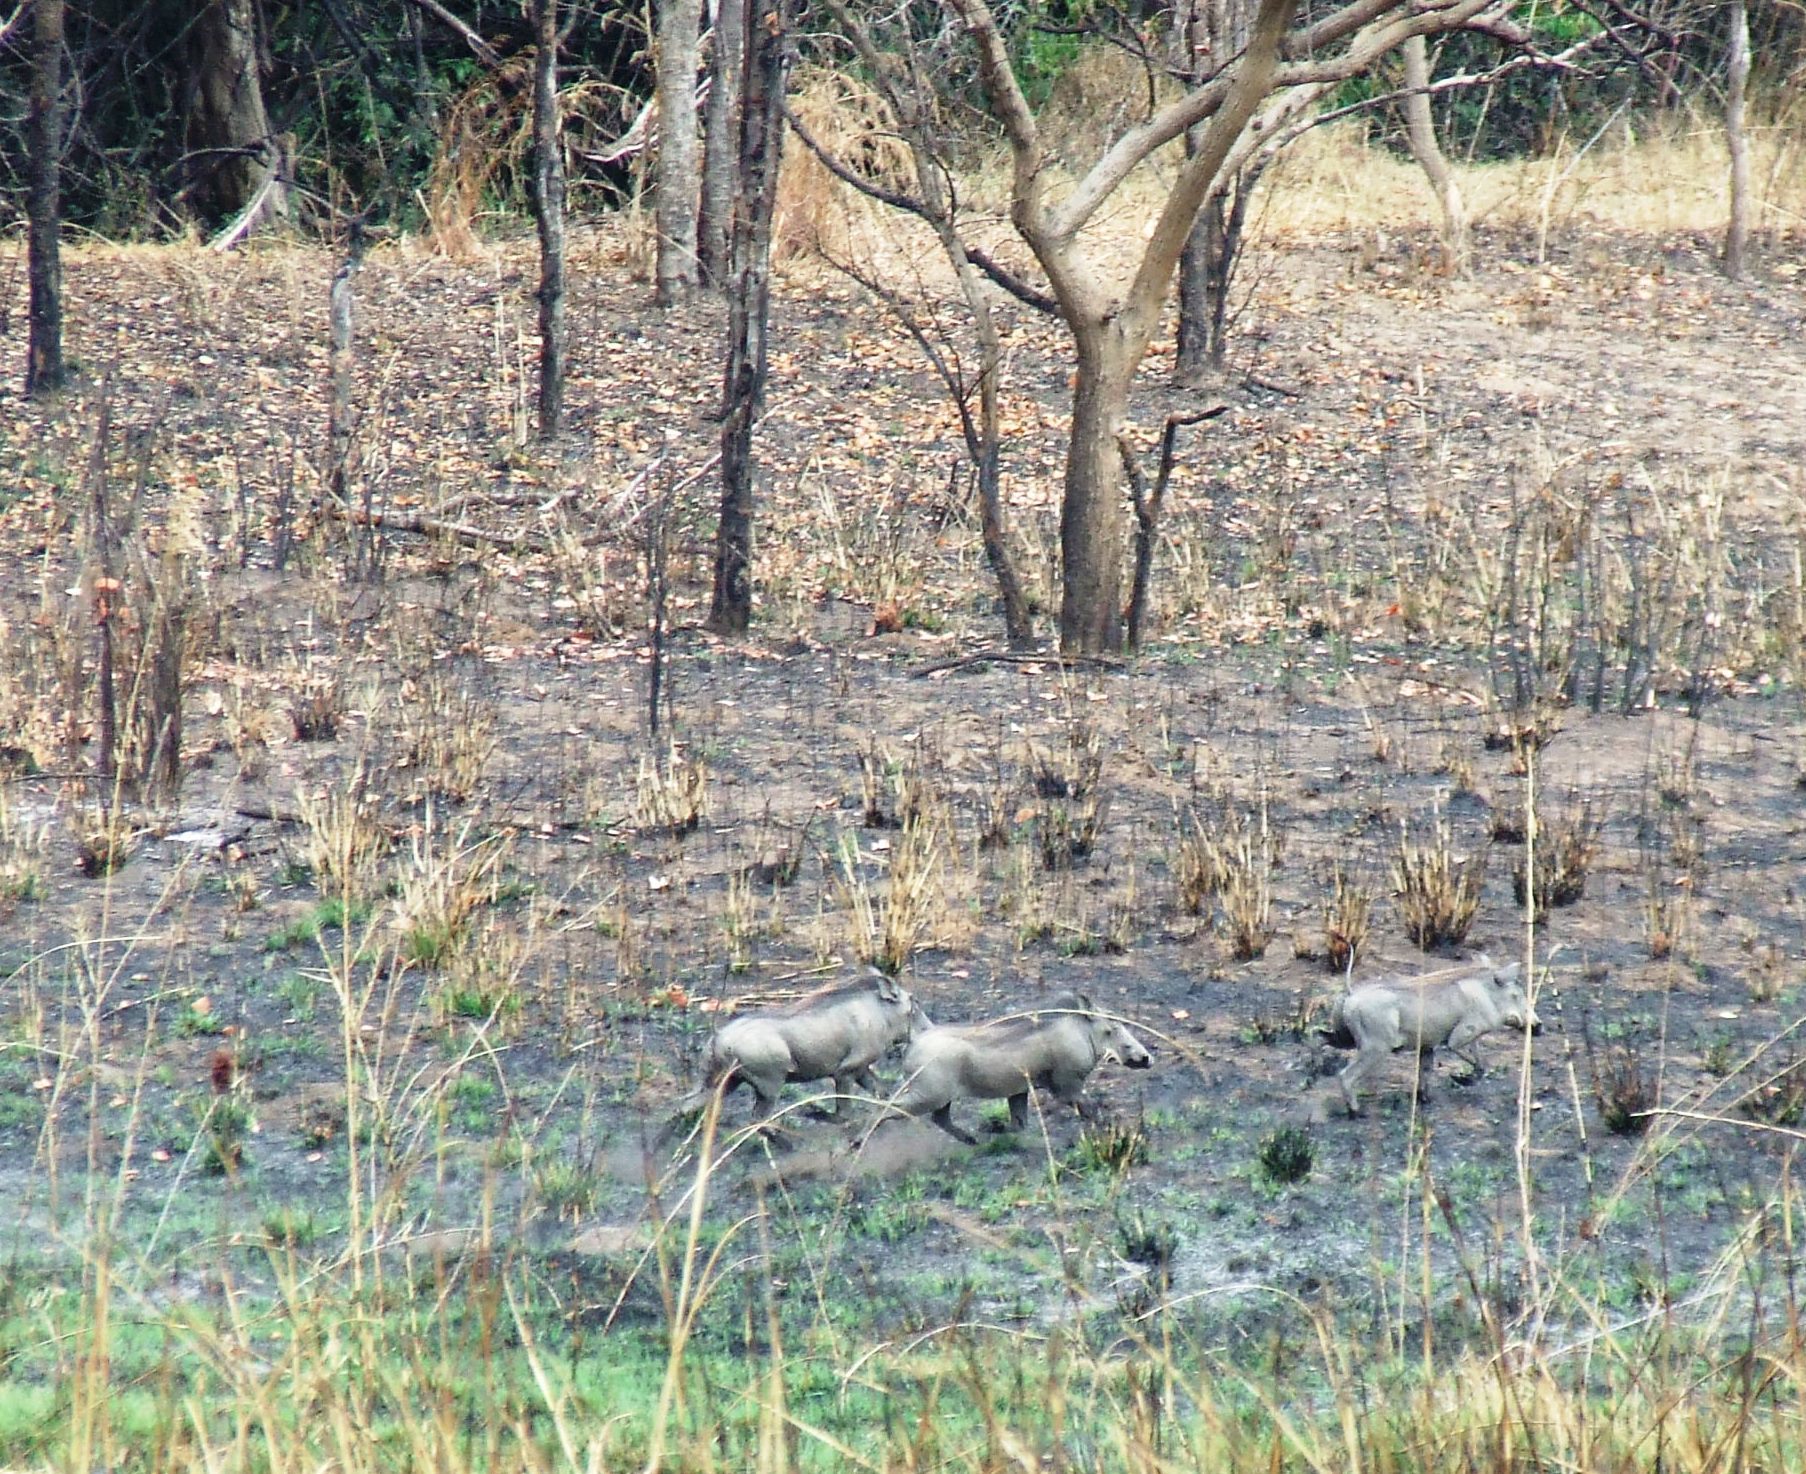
<point x="1054" y="1047"/>
<point x="1376" y="1019"/>
<point x="839" y="1031"/>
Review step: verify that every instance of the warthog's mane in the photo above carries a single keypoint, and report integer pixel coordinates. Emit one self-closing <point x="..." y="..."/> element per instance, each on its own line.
<point x="833" y="993"/>
<point x="1033" y="1019"/>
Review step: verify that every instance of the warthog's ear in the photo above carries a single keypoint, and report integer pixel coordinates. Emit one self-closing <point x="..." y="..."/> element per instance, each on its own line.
<point x="888" y="989"/>
<point x="1081" y="1003"/>
<point x="1507" y="976"/>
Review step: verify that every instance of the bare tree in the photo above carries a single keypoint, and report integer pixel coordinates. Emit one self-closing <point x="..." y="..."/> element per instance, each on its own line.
<point x="1737" y="231"/>
<point x="1420" y="134"/>
<point x="1210" y="30"/>
<point x="44" y="372"/>
<point x="749" y="307"/>
<point x="900" y="75"/>
<point x="720" y="141"/>
<point x="233" y="156"/>
<point x="548" y="210"/>
<point x="1247" y="98"/>
<point x="676" y="268"/>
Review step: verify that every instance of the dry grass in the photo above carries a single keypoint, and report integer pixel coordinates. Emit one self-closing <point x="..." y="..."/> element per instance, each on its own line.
<point x="1437" y="888"/>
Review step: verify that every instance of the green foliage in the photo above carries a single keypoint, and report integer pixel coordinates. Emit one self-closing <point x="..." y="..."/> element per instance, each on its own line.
<point x="1286" y="1156"/>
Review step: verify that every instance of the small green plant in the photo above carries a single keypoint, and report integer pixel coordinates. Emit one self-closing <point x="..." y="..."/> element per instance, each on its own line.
<point x="567" y="1188"/>
<point x="198" y="1020"/>
<point x="227" y="1122"/>
<point x="291" y="1228"/>
<point x="1286" y="1156"/>
<point x="1148" y="1241"/>
<point x="1624" y="1088"/>
<point x="1111" y="1147"/>
<point x="301" y="992"/>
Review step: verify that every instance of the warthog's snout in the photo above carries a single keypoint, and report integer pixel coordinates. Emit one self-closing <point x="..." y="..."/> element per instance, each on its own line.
<point x="1141" y="1061"/>
<point x="1536" y="1025"/>
<point x="1130" y="1051"/>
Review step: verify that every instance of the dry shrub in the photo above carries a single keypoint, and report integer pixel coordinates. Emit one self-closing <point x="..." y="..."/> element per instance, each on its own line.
<point x="851" y="122"/>
<point x="1780" y="1099"/>
<point x="673" y="793"/>
<point x="317" y="710"/>
<point x="486" y="130"/>
<point x="1232" y="860"/>
<point x="1438" y="890"/>
<point x="447" y="737"/>
<point x="342" y="838"/>
<point x="103" y="842"/>
<point x="1563" y="854"/>
<point x="440" y="886"/>
<point x="890" y="925"/>
<point x="1346" y="918"/>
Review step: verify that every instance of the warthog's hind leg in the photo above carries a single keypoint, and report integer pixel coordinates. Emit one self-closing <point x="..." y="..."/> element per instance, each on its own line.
<point x="1019" y="1112"/>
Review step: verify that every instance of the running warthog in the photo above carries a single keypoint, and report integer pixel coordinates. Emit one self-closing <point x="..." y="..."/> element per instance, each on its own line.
<point x="1451" y="1009"/>
<point x="1054" y="1047"/>
<point x="839" y="1031"/>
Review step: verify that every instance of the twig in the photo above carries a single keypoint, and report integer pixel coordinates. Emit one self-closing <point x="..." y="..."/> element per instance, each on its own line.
<point x="1017" y="657"/>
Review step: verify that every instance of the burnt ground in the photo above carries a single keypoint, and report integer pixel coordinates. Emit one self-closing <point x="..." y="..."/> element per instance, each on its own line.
<point x="1340" y="645"/>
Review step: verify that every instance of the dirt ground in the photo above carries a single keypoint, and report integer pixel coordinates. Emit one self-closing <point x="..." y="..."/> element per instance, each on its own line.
<point x="1324" y="666"/>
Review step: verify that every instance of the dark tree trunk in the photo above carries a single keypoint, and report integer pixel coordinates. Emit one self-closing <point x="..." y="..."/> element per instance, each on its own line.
<point x="720" y="143"/>
<point x="1203" y="270"/>
<point x="678" y="165"/>
<point x="548" y="208"/>
<point x="44" y="371"/>
<point x="231" y="150"/>
<point x="761" y="140"/>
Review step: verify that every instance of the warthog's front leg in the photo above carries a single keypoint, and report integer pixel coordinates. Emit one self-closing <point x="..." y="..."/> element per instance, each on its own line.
<point x="944" y="1119"/>
<point x="1363" y="1065"/>
<point x="1461" y="1041"/>
<point x="1019" y="1112"/>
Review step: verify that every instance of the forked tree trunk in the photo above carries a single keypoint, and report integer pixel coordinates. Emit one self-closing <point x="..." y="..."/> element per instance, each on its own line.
<point x="231" y="151"/>
<point x="44" y="370"/>
<point x="676" y="268"/>
<point x="1737" y="231"/>
<point x="749" y="299"/>
<point x="1420" y="133"/>
<point x="548" y="209"/>
<point x="720" y="143"/>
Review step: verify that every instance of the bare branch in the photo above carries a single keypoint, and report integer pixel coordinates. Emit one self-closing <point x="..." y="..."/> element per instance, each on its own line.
<point x="999" y="274"/>
<point x="480" y="48"/>
<point x="1186" y="112"/>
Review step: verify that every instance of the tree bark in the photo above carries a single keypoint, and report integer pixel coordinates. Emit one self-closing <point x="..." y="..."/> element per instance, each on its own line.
<point x="1737" y="231"/>
<point x="720" y="149"/>
<point x="231" y="151"/>
<point x="1091" y="611"/>
<point x="1420" y="134"/>
<point x="676" y="267"/>
<point x="44" y="371"/>
<point x="761" y="140"/>
<point x="548" y="209"/>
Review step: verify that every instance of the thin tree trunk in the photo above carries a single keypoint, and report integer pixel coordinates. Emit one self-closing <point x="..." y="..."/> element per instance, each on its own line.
<point x="720" y="144"/>
<point x="1737" y="232"/>
<point x="548" y="208"/>
<point x="761" y="140"/>
<point x="1420" y="133"/>
<point x="232" y="152"/>
<point x="44" y="370"/>
<point x="1200" y="348"/>
<point x="1017" y="625"/>
<point x="1090" y="514"/>
<point x="676" y="267"/>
